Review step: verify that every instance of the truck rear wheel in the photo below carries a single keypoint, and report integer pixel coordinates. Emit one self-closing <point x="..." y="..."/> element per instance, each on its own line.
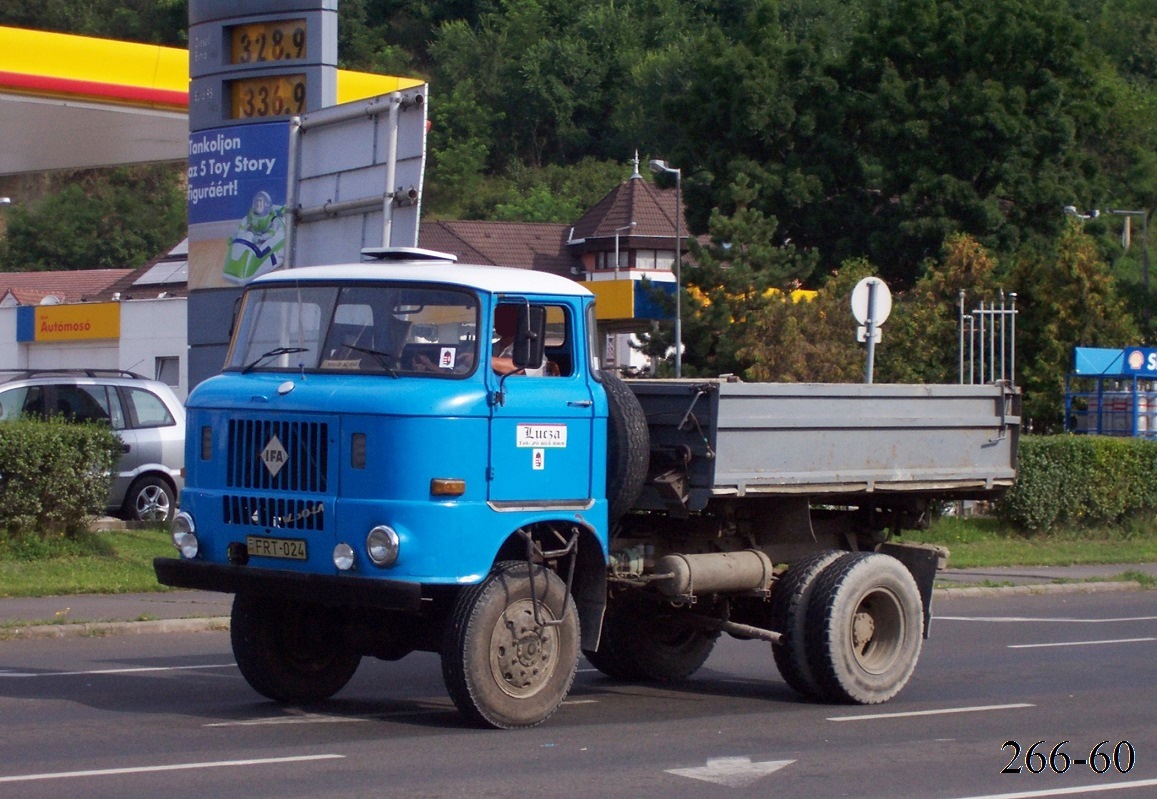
<point x="789" y="606"/>
<point x="502" y="667"/>
<point x="643" y="641"/>
<point x="628" y="446"/>
<point x="865" y="628"/>
<point x="289" y="651"/>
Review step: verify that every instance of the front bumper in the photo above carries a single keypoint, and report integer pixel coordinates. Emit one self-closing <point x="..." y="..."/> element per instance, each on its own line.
<point x="323" y="589"/>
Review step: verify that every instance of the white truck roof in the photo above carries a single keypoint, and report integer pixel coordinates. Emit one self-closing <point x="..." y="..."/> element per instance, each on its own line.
<point x="495" y="279"/>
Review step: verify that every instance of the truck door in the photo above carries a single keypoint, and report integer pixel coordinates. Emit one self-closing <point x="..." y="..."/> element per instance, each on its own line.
<point x="540" y="446"/>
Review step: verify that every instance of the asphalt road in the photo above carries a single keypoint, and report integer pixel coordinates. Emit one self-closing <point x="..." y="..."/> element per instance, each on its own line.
<point x="168" y="715"/>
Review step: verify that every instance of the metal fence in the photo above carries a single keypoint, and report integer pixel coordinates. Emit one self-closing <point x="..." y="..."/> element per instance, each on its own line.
<point x="988" y="340"/>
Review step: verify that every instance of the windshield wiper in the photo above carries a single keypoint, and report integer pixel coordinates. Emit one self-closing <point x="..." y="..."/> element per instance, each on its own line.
<point x="272" y="353"/>
<point x="381" y="356"/>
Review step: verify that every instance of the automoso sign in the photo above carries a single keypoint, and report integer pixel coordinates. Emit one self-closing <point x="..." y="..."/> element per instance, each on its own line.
<point x="84" y="321"/>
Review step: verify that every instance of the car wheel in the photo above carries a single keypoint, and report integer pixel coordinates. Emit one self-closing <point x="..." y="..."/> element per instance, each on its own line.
<point x="149" y="499"/>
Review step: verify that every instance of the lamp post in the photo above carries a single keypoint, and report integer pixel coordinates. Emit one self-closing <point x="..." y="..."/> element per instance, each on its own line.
<point x="1144" y="214"/>
<point x="619" y="230"/>
<point x="658" y="165"/>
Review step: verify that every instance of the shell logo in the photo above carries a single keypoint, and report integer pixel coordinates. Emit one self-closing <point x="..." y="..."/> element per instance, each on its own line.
<point x="1136" y="359"/>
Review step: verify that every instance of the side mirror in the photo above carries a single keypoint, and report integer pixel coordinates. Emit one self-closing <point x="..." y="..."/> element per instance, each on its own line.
<point x="530" y="339"/>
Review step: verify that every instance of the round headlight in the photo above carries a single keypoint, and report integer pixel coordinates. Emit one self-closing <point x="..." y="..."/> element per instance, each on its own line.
<point x="343" y="557"/>
<point x="184" y="533"/>
<point x="382" y="545"/>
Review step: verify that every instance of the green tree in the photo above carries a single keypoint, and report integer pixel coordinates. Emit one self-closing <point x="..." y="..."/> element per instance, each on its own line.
<point x="117" y="218"/>
<point x="1067" y="298"/>
<point x="735" y="279"/>
<point x="921" y="337"/>
<point x="152" y="21"/>
<point x="806" y="341"/>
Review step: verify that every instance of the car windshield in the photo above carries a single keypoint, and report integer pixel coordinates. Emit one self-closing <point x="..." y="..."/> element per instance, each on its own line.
<point x="388" y="329"/>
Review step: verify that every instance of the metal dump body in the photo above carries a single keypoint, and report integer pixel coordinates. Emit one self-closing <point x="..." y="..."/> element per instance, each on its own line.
<point x="740" y="439"/>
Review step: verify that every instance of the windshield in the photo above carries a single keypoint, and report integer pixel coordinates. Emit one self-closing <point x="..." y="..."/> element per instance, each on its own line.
<point x="378" y="328"/>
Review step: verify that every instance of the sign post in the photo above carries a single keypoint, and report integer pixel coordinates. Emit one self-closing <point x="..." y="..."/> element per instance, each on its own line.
<point x="871" y="304"/>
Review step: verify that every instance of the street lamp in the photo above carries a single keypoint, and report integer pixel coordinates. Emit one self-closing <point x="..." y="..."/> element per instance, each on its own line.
<point x="619" y="230"/>
<point x="1144" y="214"/>
<point x="657" y="166"/>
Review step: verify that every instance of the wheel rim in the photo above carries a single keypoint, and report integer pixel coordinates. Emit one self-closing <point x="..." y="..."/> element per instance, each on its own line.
<point x="877" y="631"/>
<point x="152" y="504"/>
<point x="523" y="654"/>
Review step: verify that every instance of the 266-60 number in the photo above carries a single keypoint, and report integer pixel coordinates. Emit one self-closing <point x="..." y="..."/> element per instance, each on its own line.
<point x="1104" y="756"/>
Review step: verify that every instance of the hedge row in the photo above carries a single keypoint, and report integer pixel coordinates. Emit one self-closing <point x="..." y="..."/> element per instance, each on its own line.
<point x="54" y="476"/>
<point x="1081" y="480"/>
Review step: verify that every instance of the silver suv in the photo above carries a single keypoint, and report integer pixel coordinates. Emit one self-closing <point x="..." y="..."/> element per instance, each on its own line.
<point x="145" y="414"/>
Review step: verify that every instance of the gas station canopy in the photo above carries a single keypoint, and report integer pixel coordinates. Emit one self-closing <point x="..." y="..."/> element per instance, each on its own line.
<point x="69" y="102"/>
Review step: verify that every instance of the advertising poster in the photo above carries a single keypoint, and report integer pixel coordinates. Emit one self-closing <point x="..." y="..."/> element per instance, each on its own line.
<point x="237" y="189"/>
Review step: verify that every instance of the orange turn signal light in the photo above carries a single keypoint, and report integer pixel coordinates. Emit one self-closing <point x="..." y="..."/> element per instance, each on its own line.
<point x="447" y="487"/>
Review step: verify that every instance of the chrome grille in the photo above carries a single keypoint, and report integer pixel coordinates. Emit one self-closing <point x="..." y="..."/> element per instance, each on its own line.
<point x="275" y="512"/>
<point x="278" y="455"/>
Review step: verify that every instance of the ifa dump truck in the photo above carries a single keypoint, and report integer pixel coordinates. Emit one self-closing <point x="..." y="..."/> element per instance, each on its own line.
<point x="411" y="454"/>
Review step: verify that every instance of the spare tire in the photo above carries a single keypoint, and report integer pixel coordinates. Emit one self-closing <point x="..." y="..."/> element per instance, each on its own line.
<point x="628" y="446"/>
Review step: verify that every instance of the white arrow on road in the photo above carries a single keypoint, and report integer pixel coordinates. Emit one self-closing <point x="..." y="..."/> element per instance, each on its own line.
<point x="734" y="772"/>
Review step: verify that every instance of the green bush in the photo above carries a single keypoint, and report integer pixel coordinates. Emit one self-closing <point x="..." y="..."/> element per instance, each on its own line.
<point x="53" y="476"/>
<point x="1081" y="481"/>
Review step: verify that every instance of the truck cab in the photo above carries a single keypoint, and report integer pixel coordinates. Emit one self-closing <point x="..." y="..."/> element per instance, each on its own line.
<point x="383" y="434"/>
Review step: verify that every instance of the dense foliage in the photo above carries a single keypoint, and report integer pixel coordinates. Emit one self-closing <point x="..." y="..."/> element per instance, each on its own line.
<point x="54" y="476"/>
<point x="98" y="219"/>
<point x="1081" y="481"/>
<point x="931" y="142"/>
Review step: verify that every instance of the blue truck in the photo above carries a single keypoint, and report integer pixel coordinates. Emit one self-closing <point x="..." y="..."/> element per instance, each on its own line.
<point x="409" y="454"/>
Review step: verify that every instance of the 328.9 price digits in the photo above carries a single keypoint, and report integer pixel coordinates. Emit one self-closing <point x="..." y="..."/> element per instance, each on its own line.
<point x="1103" y="757"/>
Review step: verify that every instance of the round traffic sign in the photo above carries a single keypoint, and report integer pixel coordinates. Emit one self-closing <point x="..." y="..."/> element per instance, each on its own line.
<point x="860" y="301"/>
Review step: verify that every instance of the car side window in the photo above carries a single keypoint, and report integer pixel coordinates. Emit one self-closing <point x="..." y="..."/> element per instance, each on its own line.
<point x="147" y="409"/>
<point x="12" y="404"/>
<point x="35" y="403"/>
<point x="83" y="403"/>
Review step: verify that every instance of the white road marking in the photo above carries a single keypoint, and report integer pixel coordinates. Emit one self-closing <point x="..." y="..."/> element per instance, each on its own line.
<point x="734" y="772"/>
<point x="94" y="672"/>
<point x="941" y="712"/>
<point x="60" y="775"/>
<point x="1069" y="791"/>
<point x="1082" y="643"/>
<point x="307" y="718"/>
<point x="1032" y="620"/>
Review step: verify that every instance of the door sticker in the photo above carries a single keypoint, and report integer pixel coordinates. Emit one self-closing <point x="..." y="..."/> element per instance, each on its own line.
<point x="540" y="435"/>
<point x="539" y="458"/>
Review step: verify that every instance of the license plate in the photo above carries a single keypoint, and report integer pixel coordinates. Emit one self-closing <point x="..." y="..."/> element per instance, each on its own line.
<point x="287" y="548"/>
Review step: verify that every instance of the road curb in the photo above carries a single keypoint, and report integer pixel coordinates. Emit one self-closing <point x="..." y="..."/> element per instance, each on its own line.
<point x="1047" y="588"/>
<point x="98" y="629"/>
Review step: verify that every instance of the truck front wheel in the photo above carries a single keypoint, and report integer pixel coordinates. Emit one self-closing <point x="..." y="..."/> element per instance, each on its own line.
<point x="289" y="651"/>
<point x="865" y="627"/>
<point x="511" y="647"/>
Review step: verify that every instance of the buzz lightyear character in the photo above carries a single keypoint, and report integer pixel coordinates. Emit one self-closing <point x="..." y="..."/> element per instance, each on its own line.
<point x="258" y="244"/>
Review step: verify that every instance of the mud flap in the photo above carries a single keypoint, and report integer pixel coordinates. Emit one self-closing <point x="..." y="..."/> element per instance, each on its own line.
<point x="922" y="561"/>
